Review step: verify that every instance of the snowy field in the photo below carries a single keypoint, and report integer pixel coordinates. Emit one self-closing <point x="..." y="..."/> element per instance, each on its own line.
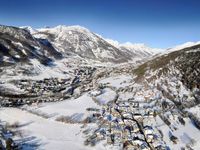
<point x="106" y="96"/>
<point x="48" y="133"/>
<point x="75" y="108"/>
<point x="117" y="81"/>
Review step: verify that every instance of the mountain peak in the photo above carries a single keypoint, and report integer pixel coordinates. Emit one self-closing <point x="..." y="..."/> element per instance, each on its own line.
<point x="134" y="46"/>
<point x="64" y="28"/>
<point x="182" y="46"/>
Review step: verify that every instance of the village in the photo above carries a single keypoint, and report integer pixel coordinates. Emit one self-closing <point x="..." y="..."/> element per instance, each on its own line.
<point x="125" y="125"/>
<point x="49" y="89"/>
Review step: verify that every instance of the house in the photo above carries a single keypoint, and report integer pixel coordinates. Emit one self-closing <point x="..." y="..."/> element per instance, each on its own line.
<point x="148" y="130"/>
<point x="150" y="138"/>
<point x="109" y="140"/>
<point x="127" y="145"/>
<point x="116" y="114"/>
<point x="138" y="143"/>
<point x="135" y="128"/>
<point x="138" y="117"/>
<point x="120" y="122"/>
<point x="144" y="146"/>
<point x="127" y="115"/>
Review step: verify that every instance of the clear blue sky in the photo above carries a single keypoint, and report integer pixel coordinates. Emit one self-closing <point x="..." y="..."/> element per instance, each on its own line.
<point x="158" y="23"/>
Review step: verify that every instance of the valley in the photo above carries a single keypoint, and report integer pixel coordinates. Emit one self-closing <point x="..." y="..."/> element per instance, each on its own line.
<point x="95" y="95"/>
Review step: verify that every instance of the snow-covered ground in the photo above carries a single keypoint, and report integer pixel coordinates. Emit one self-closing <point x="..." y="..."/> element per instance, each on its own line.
<point x="117" y="81"/>
<point x="48" y="133"/>
<point x="195" y="110"/>
<point x="106" y="96"/>
<point x="73" y="107"/>
<point x="186" y="134"/>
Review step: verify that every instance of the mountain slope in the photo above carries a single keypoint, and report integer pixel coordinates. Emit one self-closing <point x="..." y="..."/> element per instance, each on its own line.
<point x="18" y="45"/>
<point x="86" y="44"/>
<point x="176" y="74"/>
<point x="139" y="50"/>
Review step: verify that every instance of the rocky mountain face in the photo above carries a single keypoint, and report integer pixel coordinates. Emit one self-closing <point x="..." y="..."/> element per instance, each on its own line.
<point x="86" y="44"/>
<point x="18" y="45"/>
<point x="139" y="50"/>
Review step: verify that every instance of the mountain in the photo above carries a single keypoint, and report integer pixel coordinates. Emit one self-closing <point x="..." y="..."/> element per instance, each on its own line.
<point x="76" y="40"/>
<point x="69" y="87"/>
<point x="36" y="54"/>
<point x="18" y="45"/>
<point x="175" y="74"/>
<point x="139" y="50"/>
<point x="182" y="46"/>
<point x="86" y="44"/>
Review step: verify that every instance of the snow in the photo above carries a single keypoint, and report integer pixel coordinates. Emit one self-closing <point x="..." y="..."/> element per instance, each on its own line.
<point x="30" y="29"/>
<point x="50" y="134"/>
<point x="7" y="59"/>
<point x="195" y="110"/>
<point x="185" y="133"/>
<point x="182" y="46"/>
<point x="39" y="71"/>
<point x="117" y="81"/>
<point x="135" y="46"/>
<point x="113" y="42"/>
<point x="63" y="31"/>
<point x="73" y="107"/>
<point x="141" y="47"/>
<point x="11" y="88"/>
<point x="106" y="96"/>
<point x="124" y="96"/>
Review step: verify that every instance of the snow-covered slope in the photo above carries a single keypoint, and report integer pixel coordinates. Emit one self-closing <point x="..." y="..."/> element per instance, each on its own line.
<point x="76" y="40"/>
<point x="182" y="46"/>
<point x="139" y="50"/>
<point x="86" y="44"/>
<point x="18" y="45"/>
<point x="175" y="73"/>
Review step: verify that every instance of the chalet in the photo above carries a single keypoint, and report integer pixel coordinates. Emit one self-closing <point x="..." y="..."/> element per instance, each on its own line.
<point x="127" y="115"/>
<point x="121" y="123"/>
<point x="135" y="128"/>
<point x="116" y="114"/>
<point x="127" y="145"/>
<point x="150" y="138"/>
<point x="138" y="116"/>
<point x="147" y="130"/>
<point x="129" y="122"/>
<point x="138" y="143"/>
<point x="100" y="136"/>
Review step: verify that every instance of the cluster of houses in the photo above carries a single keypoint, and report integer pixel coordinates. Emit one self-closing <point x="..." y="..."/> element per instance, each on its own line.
<point x="50" y="89"/>
<point x="125" y="126"/>
<point x="17" y="101"/>
<point x="45" y="86"/>
<point x="85" y="72"/>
